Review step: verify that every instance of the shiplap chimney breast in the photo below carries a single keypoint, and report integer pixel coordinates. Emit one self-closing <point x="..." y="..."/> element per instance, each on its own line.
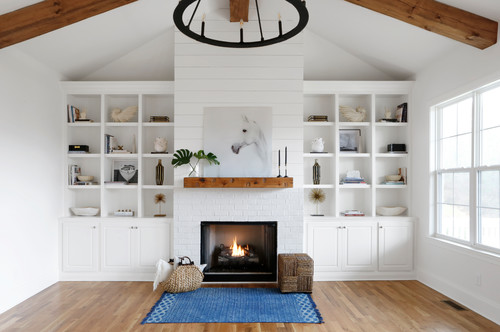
<point x="209" y="76"/>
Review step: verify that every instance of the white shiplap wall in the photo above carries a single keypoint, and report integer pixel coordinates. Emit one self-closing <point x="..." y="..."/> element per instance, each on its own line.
<point x="209" y="76"/>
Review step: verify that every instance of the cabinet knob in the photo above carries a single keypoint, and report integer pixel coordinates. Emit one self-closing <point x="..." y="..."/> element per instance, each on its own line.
<point x="340" y="227"/>
<point x="131" y="227"/>
<point x="94" y="227"/>
<point x="380" y="227"/>
<point x="343" y="227"/>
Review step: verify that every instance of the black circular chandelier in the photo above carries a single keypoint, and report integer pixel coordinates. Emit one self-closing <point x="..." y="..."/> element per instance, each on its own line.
<point x="299" y="5"/>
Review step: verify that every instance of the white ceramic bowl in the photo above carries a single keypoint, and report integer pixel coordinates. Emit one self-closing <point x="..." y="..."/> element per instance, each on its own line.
<point x="394" y="177"/>
<point x="86" y="211"/>
<point x="85" y="177"/>
<point x="390" y="210"/>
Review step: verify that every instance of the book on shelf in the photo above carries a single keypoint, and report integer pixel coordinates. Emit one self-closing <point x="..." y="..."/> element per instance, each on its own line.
<point x="73" y="172"/>
<point x="352" y="213"/>
<point x="159" y="118"/>
<point x="116" y="182"/>
<point x="78" y="152"/>
<point x="351" y="180"/>
<point x="85" y="183"/>
<point x="393" y="183"/>
<point x="120" y="152"/>
<point x="404" y="112"/>
<point x="319" y="118"/>
<point x="73" y="113"/>
<point x="109" y="143"/>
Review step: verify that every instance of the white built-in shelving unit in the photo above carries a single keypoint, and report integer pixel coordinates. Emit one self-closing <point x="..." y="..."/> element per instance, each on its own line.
<point x="373" y="161"/>
<point x="137" y="136"/>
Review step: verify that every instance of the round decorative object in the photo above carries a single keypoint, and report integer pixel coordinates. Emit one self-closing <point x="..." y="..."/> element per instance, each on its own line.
<point x="317" y="145"/>
<point x="390" y="210"/>
<point x="394" y="177"/>
<point x="85" y="211"/>
<point x="299" y="5"/>
<point x="85" y="177"/>
<point x="160" y="144"/>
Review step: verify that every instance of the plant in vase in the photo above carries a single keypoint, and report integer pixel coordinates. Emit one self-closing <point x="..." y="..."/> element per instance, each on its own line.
<point x="183" y="157"/>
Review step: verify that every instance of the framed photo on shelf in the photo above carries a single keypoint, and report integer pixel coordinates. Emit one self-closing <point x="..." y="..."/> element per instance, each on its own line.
<point x="125" y="171"/>
<point x="350" y="140"/>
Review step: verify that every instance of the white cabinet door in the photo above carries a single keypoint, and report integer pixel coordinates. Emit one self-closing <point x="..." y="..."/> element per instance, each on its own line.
<point x="360" y="246"/>
<point x="395" y="245"/>
<point x="80" y="246"/>
<point x="323" y="245"/>
<point x="116" y="246"/>
<point x="151" y="244"/>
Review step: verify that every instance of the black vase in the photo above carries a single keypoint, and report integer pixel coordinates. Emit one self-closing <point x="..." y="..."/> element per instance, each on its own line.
<point x="160" y="173"/>
<point x="316" y="172"/>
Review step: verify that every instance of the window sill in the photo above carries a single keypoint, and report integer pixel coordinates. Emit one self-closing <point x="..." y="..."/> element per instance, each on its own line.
<point x="486" y="256"/>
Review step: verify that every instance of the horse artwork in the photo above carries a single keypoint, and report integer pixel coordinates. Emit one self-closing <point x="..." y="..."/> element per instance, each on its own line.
<point x="241" y="138"/>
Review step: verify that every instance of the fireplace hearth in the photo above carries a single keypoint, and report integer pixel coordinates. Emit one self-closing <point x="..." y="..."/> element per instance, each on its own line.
<point x="239" y="251"/>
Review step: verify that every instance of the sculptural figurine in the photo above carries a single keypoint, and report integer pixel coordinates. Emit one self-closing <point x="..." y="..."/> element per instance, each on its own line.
<point x="160" y="144"/>
<point x="125" y="115"/>
<point x="317" y="145"/>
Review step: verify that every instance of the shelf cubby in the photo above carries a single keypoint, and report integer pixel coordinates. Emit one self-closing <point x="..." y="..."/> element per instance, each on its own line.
<point x="136" y="135"/>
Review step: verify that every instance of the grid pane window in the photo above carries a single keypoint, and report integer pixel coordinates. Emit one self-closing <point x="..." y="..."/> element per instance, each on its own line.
<point x="456" y="135"/>
<point x="468" y="169"/>
<point x="454" y="205"/>
<point x="489" y="209"/>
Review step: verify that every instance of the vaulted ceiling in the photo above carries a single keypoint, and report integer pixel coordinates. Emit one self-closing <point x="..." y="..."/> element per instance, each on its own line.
<point x="396" y="48"/>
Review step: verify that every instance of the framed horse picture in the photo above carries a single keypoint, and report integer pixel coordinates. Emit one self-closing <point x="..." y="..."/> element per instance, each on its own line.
<point x="241" y="138"/>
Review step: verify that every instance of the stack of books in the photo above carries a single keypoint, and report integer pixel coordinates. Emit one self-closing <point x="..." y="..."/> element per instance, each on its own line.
<point x="109" y="142"/>
<point x="320" y="118"/>
<point x="73" y="172"/>
<point x="85" y="183"/>
<point x="352" y="213"/>
<point x="394" y="182"/>
<point x="352" y="180"/>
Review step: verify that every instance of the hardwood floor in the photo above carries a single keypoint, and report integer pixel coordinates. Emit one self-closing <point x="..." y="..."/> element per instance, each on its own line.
<point x="345" y="306"/>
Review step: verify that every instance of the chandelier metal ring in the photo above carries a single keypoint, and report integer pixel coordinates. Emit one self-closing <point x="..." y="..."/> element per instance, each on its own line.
<point x="299" y="5"/>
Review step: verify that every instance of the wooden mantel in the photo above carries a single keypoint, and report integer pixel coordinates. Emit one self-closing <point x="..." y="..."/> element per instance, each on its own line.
<point x="238" y="182"/>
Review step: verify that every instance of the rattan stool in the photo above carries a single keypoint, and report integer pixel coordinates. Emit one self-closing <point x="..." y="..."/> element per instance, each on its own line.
<point x="295" y="273"/>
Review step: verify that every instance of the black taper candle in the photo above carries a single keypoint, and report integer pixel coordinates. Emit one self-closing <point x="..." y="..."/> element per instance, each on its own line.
<point x="241" y="31"/>
<point x="286" y="154"/>
<point x="280" y="27"/>
<point x="279" y="157"/>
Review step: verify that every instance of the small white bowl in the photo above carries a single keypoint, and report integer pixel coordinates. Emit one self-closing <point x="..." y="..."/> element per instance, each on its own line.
<point x="394" y="177"/>
<point x="390" y="210"/>
<point x="85" y="177"/>
<point x="86" y="211"/>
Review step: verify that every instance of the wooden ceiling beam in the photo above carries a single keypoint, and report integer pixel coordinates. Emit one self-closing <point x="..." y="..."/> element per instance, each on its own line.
<point x="440" y="18"/>
<point x="238" y="10"/>
<point x="50" y="15"/>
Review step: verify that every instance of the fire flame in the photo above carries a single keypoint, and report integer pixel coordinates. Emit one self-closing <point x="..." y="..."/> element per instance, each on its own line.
<point x="238" y="251"/>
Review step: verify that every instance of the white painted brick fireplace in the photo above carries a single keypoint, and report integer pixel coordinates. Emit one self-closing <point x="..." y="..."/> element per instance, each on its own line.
<point x="209" y="76"/>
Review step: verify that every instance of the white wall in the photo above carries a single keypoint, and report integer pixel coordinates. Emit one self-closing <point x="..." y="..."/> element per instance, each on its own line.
<point x="30" y="191"/>
<point x="451" y="270"/>
<point x="271" y="77"/>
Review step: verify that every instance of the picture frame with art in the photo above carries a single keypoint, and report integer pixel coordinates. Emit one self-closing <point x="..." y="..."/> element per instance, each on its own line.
<point x="125" y="171"/>
<point x="350" y="141"/>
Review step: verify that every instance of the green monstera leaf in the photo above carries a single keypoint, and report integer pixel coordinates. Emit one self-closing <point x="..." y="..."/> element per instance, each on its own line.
<point x="181" y="157"/>
<point x="210" y="157"/>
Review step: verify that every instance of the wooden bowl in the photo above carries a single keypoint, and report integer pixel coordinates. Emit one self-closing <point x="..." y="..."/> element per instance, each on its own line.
<point x="85" y="177"/>
<point x="394" y="177"/>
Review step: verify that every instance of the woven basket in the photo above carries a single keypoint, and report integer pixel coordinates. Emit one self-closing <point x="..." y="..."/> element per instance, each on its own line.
<point x="186" y="278"/>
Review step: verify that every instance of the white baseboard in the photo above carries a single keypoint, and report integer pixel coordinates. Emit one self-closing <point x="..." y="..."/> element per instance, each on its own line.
<point x="483" y="306"/>
<point x="352" y="276"/>
<point x="106" y="276"/>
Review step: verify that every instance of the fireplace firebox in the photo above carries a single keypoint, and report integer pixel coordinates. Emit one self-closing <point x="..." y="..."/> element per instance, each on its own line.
<point x="239" y="251"/>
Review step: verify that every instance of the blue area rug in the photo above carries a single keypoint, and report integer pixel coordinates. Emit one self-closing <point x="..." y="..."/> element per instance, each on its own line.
<point x="234" y="305"/>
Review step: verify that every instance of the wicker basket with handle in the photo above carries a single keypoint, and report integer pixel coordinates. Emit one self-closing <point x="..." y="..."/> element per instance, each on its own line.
<point x="185" y="278"/>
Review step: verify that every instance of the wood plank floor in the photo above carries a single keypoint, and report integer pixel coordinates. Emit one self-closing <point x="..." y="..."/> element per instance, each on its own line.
<point x="345" y="306"/>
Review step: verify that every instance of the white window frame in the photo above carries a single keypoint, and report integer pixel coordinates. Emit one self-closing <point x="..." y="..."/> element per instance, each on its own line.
<point x="473" y="170"/>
